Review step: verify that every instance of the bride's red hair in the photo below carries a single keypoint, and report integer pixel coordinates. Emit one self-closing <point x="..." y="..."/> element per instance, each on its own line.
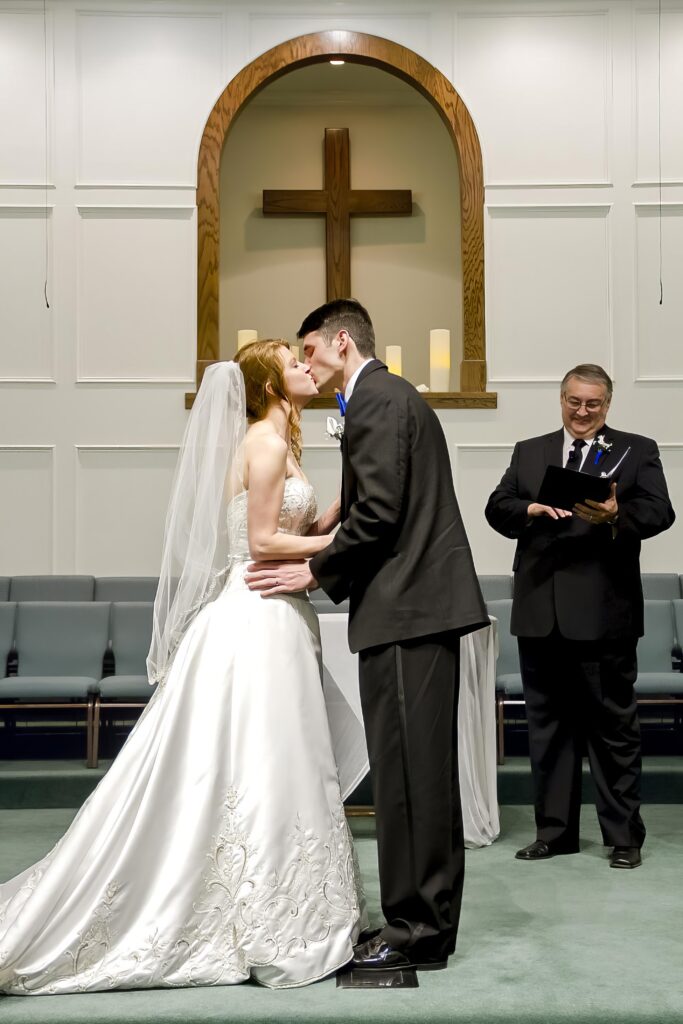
<point x="261" y="365"/>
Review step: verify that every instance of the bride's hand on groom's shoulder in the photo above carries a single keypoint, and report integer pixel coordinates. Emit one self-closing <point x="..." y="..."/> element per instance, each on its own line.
<point x="271" y="578"/>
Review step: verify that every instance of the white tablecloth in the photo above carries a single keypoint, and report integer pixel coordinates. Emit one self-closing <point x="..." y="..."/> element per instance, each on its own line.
<point x="476" y="721"/>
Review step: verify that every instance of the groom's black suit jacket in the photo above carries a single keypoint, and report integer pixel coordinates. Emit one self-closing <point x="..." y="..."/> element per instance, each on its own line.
<point x="401" y="554"/>
<point x="585" y="579"/>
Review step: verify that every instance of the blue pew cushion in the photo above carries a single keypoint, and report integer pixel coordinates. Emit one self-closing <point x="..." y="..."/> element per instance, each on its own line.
<point x="31" y="689"/>
<point x="52" y="588"/>
<point x="663" y="683"/>
<point x="124" y="688"/>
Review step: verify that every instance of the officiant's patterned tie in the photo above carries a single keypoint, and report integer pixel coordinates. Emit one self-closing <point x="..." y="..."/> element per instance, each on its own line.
<point x="574" y="458"/>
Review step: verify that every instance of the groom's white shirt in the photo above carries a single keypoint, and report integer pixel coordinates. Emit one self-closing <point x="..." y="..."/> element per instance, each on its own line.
<point x="354" y="377"/>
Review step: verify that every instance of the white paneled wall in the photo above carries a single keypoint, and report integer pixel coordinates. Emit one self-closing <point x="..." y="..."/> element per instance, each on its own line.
<point x="118" y="487"/>
<point x="143" y="84"/>
<point x="533" y="266"/>
<point x="26" y="352"/>
<point x="146" y="254"/>
<point x="28" y="490"/>
<point x="102" y="106"/>
<point x="540" y="84"/>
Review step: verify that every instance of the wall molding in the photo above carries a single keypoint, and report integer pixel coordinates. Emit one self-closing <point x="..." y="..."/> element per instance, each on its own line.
<point x="28" y="380"/>
<point x="53" y="490"/>
<point x="147" y="186"/>
<point x="198" y="13"/>
<point x="148" y="447"/>
<point x="548" y="184"/>
<point x="556" y="208"/>
<point x="125" y="382"/>
<point x="651" y="206"/>
<point x="47" y="209"/>
<point x="78" y="471"/>
<point x="484" y="446"/>
<point x="608" y="72"/>
<point x="179" y="211"/>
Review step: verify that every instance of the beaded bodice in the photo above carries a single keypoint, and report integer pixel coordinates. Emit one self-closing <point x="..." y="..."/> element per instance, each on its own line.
<point x="298" y="512"/>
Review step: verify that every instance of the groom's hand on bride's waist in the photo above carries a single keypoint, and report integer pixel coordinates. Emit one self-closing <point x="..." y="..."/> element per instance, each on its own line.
<point x="270" y="578"/>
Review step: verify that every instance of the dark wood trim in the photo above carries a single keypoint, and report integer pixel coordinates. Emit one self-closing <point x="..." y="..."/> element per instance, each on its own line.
<point x="355" y="47"/>
<point x="437" y="400"/>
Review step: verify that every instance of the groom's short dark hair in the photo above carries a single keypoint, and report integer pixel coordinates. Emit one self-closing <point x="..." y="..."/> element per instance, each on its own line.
<point x="342" y="315"/>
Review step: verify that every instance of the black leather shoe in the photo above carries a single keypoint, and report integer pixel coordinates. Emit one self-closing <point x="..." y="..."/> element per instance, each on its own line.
<point x="378" y="955"/>
<point x="625" y="857"/>
<point x="367" y="934"/>
<point x="540" y="850"/>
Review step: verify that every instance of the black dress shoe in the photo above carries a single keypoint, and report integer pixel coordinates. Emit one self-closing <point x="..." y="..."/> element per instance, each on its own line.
<point x="378" y="955"/>
<point x="540" y="850"/>
<point x="367" y="934"/>
<point x="625" y="857"/>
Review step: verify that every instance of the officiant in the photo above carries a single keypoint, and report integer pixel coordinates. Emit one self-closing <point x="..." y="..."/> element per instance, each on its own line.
<point x="577" y="612"/>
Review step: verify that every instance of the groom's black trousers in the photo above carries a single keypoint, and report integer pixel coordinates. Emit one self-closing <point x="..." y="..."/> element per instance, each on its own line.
<point x="409" y="692"/>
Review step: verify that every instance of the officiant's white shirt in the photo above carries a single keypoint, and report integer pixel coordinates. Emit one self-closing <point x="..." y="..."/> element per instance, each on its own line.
<point x="568" y="444"/>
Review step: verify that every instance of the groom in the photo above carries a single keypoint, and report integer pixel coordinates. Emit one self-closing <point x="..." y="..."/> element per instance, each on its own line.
<point x="402" y="559"/>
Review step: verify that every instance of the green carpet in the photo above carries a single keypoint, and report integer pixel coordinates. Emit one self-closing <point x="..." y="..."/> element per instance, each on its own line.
<point x="66" y="783"/>
<point x="568" y="940"/>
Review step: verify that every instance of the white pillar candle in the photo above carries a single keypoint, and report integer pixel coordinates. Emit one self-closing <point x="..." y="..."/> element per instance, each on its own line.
<point x="245" y="338"/>
<point x="294" y="349"/>
<point x="440" y="360"/>
<point x="393" y="359"/>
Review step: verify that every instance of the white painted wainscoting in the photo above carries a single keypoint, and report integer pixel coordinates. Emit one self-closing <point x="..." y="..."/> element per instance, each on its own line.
<point x="102" y="107"/>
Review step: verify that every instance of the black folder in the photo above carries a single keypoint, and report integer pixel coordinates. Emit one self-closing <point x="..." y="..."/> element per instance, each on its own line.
<point x="564" y="488"/>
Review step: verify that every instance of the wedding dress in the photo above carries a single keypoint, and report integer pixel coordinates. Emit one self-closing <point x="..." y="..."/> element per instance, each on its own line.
<point x="215" y="849"/>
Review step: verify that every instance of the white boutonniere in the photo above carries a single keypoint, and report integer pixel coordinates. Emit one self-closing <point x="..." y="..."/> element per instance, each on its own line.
<point x="601" y="447"/>
<point x="335" y="429"/>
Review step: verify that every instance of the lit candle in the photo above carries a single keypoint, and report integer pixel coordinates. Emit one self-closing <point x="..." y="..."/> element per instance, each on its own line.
<point x="439" y="360"/>
<point x="245" y="338"/>
<point x="294" y="349"/>
<point x="393" y="359"/>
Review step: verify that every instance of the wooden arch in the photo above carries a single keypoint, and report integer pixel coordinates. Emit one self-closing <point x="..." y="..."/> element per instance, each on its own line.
<point x="355" y="47"/>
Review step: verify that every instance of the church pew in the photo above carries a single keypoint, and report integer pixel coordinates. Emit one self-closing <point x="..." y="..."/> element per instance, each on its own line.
<point x="52" y="588"/>
<point x="59" y="648"/>
<point x="125" y="588"/>
<point x="127" y="687"/>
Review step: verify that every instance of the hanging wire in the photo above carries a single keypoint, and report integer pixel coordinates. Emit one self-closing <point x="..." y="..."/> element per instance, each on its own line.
<point x="659" y="141"/>
<point x="47" y="247"/>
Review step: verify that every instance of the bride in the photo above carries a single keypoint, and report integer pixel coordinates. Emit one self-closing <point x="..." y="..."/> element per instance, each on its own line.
<point x="216" y="848"/>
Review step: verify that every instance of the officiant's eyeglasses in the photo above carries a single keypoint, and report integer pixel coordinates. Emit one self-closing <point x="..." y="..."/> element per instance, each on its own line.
<point x="592" y="405"/>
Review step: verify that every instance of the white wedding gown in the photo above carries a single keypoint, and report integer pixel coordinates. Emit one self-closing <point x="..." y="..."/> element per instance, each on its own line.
<point x="215" y="849"/>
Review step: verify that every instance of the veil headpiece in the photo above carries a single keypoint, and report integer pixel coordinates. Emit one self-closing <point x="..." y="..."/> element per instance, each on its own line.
<point x="196" y="553"/>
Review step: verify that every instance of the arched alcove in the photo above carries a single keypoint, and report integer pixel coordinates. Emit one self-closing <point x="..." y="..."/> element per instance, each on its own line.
<point x="411" y="68"/>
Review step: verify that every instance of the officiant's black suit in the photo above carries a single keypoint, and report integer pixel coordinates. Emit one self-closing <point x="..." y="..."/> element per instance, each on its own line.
<point x="578" y="612"/>
<point x="402" y="558"/>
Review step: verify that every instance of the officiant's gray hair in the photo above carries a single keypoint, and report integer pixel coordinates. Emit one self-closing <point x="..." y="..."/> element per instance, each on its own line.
<point x="591" y="373"/>
<point x="342" y="315"/>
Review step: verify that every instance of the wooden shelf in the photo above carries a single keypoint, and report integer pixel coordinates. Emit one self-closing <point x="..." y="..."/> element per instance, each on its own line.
<point x="437" y="400"/>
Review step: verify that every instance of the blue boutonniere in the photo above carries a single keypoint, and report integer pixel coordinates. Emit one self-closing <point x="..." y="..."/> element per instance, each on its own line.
<point x="601" y="447"/>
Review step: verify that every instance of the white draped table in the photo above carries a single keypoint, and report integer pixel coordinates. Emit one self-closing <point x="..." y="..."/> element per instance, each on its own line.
<point x="476" y="722"/>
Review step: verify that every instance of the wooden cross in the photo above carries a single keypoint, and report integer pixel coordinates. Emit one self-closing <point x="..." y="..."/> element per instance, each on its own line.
<point x="338" y="202"/>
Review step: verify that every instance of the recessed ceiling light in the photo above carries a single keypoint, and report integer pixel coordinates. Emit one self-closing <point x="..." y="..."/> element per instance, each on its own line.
<point x="337" y="62"/>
